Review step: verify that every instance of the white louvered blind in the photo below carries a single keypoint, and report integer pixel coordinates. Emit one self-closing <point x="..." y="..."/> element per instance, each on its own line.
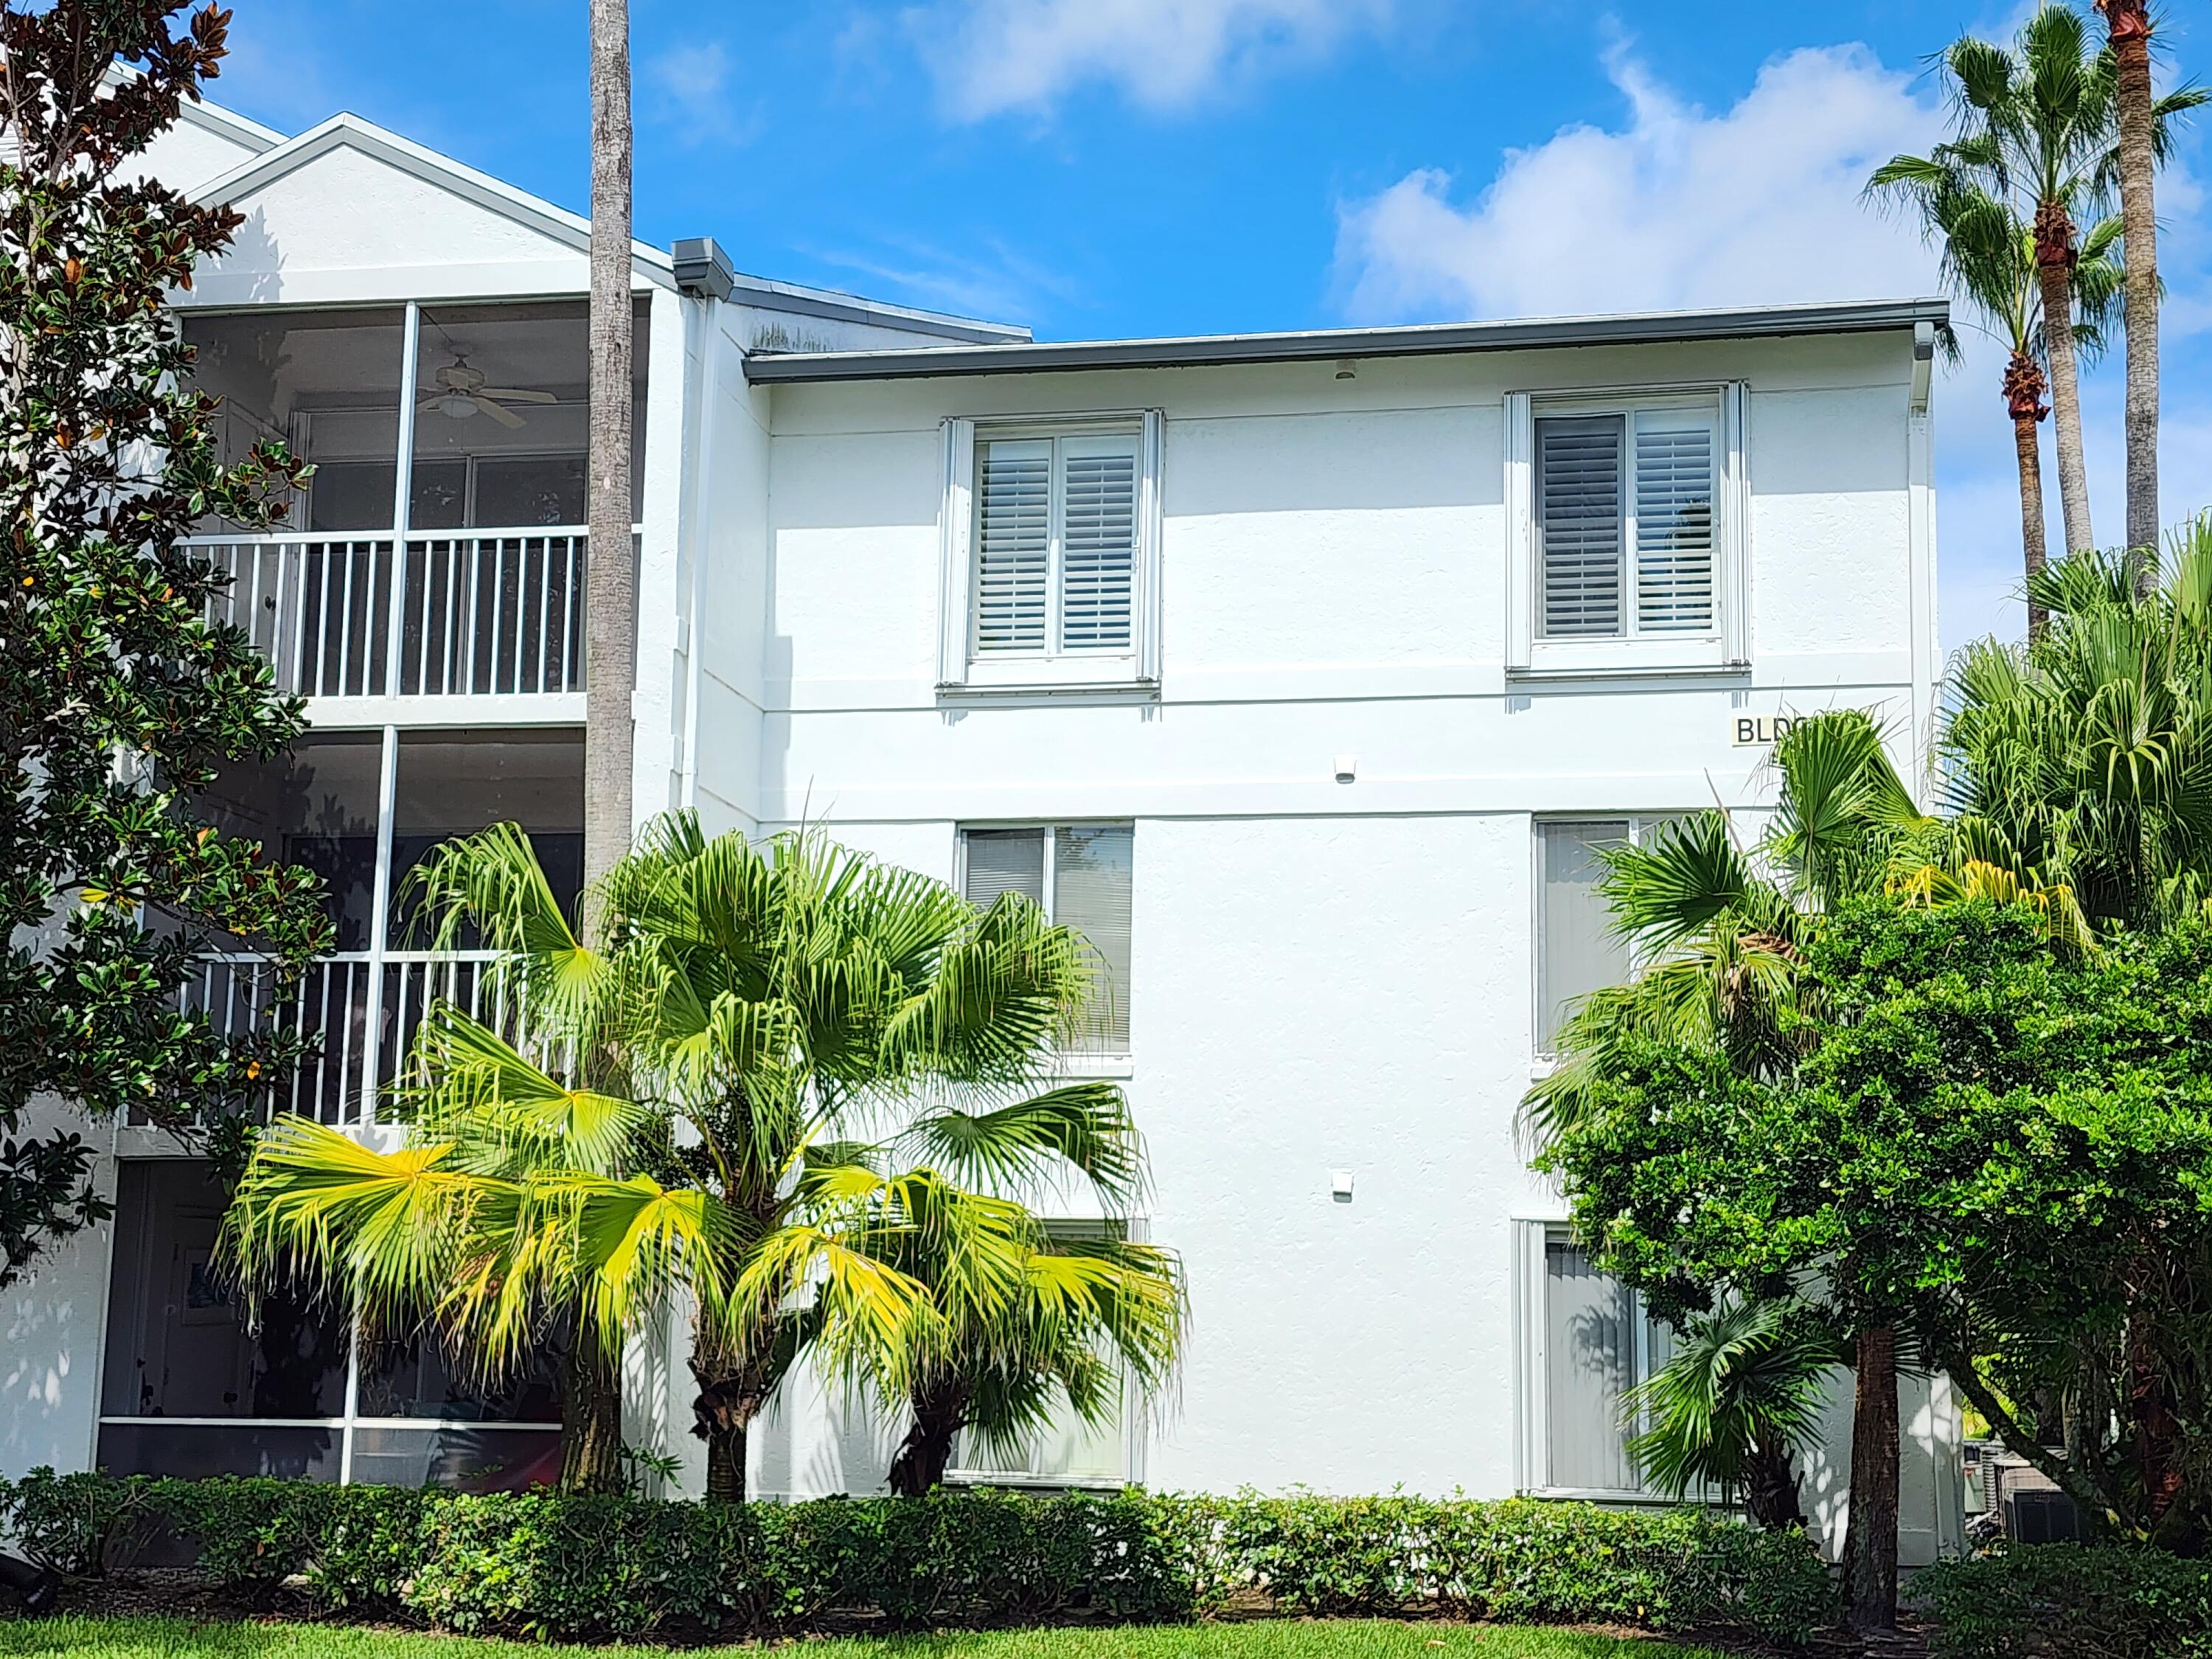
<point x="1091" y="882"/>
<point x="1676" y="543"/>
<point x="1577" y="950"/>
<point x="1005" y="861"/>
<point x="1013" y="545"/>
<point x="1098" y="544"/>
<point x="1579" y="499"/>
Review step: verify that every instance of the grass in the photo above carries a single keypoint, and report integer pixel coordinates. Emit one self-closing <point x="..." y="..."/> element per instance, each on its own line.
<point x="82" y="1637"/>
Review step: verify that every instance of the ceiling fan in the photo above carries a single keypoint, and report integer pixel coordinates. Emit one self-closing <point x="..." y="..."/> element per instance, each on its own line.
<point x="462" y="395"/>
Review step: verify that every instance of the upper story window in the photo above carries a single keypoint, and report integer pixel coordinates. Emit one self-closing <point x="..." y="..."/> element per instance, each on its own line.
<point x="1578" y="949"/>
<point x="1629" y="516"/>
<point x="1082" y="877"/>
<point x="1051" y="554"/>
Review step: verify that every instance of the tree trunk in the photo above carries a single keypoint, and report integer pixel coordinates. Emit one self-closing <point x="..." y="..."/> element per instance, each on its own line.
<point x="1770" y="1493"/>
<point x="940" y="1414"/>
<point x="2054" y="267"/>
<point x="2154" y="1428"/>
<point x="2023" y="389"/>
<point x="610" y="584"/>
<point x="722" y="1412"/>
<point x="591" y="1415"/>
<point x="1870" y="1539"/>
<point x="2129" y="20"/>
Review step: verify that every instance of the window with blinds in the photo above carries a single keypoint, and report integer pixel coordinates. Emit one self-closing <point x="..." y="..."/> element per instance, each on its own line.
<point x="1083" y="877"/>
<point x="1056" y="544"/>
<point x="1626" y="538"/>
<point x="1598" y="1344"/>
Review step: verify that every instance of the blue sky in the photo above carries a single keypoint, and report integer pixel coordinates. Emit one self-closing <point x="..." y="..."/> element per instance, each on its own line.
<point x="1102" y="167"/>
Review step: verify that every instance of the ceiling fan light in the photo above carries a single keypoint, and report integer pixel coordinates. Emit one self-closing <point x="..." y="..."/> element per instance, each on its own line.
<point x="459" y="405"/>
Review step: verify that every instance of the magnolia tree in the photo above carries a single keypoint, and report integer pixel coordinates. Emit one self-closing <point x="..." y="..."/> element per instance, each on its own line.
<point x="118" y="698"/>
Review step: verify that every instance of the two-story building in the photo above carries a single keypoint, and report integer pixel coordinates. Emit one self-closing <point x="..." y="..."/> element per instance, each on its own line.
<point x="1304" y="673"/>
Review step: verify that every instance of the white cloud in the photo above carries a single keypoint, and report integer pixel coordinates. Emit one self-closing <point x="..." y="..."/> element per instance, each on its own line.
<point x="990" y="56"/>
<point x="1758" y="203"/>
<point x="690" y="86"/>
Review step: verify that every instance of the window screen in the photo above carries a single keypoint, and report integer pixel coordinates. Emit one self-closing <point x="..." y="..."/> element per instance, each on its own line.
<point x="1576" y="950"/>
<point x="1626" y="533"/>
<point x="1082" y="876"/>
<point x="1055" y="544"/>
<point x="1092" y="880"/>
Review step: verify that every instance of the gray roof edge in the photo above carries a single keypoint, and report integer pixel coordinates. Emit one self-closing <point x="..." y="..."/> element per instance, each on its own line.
<point x="1214" y="350"/>
<point x="703" y="267"/>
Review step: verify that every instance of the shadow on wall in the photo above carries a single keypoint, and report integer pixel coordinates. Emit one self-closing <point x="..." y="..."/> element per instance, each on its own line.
<point x="50" y="1326"/>
<point x="252" y="265"/>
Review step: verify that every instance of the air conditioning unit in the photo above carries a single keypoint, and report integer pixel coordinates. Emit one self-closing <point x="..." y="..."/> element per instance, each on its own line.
<point x="2041" y="1517"/>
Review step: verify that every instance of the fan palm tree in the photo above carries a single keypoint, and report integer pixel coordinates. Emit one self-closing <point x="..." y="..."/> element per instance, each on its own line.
<point x="2084" y="761"/>
<point x="1989" y="258"/>
<point x="1720" y="933"/>
<point x="1739" y="1396"/>
<point x="2127" y="23"/>
<point x="768" y="1032"/>
<point x="1093" y="1324"/>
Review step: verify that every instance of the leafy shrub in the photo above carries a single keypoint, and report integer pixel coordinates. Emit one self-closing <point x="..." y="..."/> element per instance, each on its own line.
<point x="2023" y="1601"/>
<point x="247" y="1536"/>
<point x="545" y="1565"/>
<point x="80" y="1525"/>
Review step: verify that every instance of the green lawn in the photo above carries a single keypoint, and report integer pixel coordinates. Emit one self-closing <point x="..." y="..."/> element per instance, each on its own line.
<point x="174" y="1638"/>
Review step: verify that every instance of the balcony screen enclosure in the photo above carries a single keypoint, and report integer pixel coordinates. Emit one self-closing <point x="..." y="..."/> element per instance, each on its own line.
<point x="438" y="549"/>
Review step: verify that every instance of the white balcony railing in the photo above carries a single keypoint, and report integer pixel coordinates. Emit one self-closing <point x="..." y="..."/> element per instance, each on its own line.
<point x="364" y="1008"/>
<point x="497" y="612"/>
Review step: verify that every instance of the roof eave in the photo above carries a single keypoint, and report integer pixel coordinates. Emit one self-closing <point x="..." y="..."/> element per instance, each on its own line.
<point x="1205" y="351"/>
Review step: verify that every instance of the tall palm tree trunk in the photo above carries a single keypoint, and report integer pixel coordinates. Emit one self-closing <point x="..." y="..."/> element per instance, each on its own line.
<point x="2023" y="392"/>
<point x="610" y="582"/>
<point x="611" y="597"/>
<point x="591" y="1415"/>
<point x="1870" y="1537"/>
<point x="2130" y="22"/>
<point x="2054" y="267"/>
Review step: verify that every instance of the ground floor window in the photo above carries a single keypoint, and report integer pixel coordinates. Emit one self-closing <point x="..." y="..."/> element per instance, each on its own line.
<point x="1065" y="1451"/>
<point x="1586" y="1342"/>
<point x="191" y="1387"/>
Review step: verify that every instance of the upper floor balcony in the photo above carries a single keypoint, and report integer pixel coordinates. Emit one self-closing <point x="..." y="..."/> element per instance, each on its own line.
<point x="437" y="551"/>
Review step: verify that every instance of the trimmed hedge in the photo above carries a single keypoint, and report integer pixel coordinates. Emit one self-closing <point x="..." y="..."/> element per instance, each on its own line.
<point x="2022" y="1602"/>
<point x="542" y="1565"/>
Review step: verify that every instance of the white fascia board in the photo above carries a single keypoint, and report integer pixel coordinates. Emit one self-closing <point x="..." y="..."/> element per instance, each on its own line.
<point x="216" y="118"/>
<point x="653" y="265"/>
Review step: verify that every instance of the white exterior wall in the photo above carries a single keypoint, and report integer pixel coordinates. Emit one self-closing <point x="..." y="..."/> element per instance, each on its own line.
<point x="1327" y="975"/>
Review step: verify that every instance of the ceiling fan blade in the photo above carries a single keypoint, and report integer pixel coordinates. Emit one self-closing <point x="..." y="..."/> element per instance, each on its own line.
<point x="516" y="395"/>
<point x="506" y="418"/>
<point x="431" y="402"/>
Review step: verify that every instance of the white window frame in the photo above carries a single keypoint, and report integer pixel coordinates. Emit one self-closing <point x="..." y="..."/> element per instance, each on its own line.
<point x="1640" y="824"/>
<point x="1532" y="1378"/>
<point x="962" y="670"/>
<point x="1073" y="1062"/>
<point x="1131" y="1424"/>
<point x="1727" y="648"/>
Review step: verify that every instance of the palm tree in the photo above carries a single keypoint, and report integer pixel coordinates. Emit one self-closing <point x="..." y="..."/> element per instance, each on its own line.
<point x="2084" y="761"/>
<point x="811" y="1051"/>
<point x="1086" y="1322"/>
<point x="2037" y="118"/>
<point x="1721" y="936"/>
<point x="1739" y="1396"/>
<point x="610" y="590"/>
<point x="1989" y="258"/>
<point x="2128" y="24"/>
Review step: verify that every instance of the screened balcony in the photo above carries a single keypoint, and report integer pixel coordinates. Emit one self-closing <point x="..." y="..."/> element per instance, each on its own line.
<point x="362" y="810"/>
<point x="438" y="549"/>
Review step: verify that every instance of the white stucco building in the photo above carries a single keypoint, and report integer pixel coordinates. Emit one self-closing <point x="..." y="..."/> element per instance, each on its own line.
<point x="1301" y="670"/>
